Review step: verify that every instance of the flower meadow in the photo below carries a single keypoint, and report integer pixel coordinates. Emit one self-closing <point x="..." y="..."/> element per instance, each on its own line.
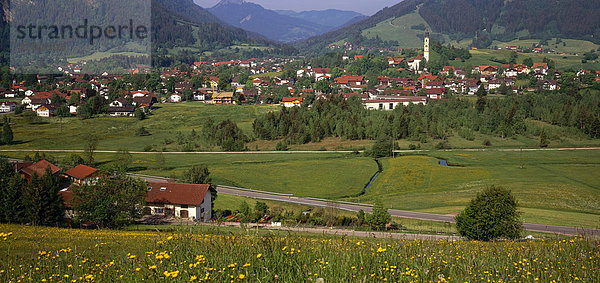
<point x="40" y="254"/>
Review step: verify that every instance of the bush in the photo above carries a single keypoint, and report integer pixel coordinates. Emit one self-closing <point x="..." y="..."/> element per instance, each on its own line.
<point x="412" y="147"/>
<point x="487" y="142"/>
<point x="379" y="217"/>
<point x="442" y="145"/>
<point x="491" y="215"/>
<point x="281" y="146"/>
<point x="382" y="147"/>
<point x="141" y="132"/>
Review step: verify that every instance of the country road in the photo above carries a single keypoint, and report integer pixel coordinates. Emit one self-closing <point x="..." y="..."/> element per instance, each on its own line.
<point x="355" y="207"/>
<point x="301" y="152"/>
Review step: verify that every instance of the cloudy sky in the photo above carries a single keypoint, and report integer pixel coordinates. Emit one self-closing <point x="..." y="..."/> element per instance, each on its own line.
<point x="367" y="7"/>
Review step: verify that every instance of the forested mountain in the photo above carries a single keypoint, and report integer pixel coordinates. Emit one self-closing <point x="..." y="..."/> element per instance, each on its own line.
<point x="255" y="18"/>
<point x="4" y="31"/>
<point x="183" y="23"/>
<point x="175" y="23"/>
<point x="483" y="21"/>
<point x="331" y="18"/>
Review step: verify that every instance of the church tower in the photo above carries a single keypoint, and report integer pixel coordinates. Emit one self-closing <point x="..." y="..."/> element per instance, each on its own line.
<point x="426" y="47"/>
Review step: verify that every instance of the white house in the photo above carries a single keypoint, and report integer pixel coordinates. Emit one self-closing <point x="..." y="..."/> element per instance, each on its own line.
<point x="199" y="96"/>
<point x="176" y="98"/>
<point x="292" y="101"/>
<point x="7" y="107"/>
<point x="391" y="104"/>
<point x="190" y="201"/>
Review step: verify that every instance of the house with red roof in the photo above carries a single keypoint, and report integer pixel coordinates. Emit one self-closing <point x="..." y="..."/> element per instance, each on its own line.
<point x="540" y="68"/>
<point x="190" y="201"/>
<point x="292" y="101"/>
<point x="349" y="80"/>
<point x="82" y="174"/>
<point x="38" y="169"/>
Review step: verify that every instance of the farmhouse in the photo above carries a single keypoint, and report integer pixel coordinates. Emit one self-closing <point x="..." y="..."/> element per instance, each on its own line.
<point x="223" y="98"/>
<point x="180" y="200"/>
<point x="392" y="103"/>
<point x="126" y="111"/>
<point x="27" y="170"/>
<point x="82" y="175"/>
<point x="7" y="106"/>
<point x="292" y="101"/>
<point x="47" y="110"/>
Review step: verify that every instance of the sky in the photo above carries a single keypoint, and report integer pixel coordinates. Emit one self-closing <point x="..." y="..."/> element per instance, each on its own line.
<point x="366" y="7"/>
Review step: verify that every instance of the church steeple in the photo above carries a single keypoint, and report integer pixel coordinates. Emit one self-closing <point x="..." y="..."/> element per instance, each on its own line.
<point x="426" y="47"/>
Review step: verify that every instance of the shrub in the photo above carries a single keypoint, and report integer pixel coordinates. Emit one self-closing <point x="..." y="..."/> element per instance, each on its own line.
<point x="141" y="132"/>
<point x="281" y="146"/>
<point x="491" y="215"/>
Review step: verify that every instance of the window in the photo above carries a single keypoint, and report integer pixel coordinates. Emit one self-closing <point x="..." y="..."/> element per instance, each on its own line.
<point x="380" y="106"/>
<point x="184" y="206"/>
<point x="391" y="106"/>
<point x="158" y="210"/>
<point x="163" y="189"/>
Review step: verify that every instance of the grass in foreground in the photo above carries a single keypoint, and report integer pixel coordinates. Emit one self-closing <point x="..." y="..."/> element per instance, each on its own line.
<point x="60" y="255"/>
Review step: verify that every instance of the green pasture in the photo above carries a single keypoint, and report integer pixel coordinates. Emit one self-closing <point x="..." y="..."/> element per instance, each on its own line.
<point x="116" y="133"/>
<point x="553" y="187"/>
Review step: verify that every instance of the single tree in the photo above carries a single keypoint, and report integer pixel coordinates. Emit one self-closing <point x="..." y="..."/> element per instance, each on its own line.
<point x="91" y="143"/>
<point x="544" y="139"/>
<point x="201" y="175"/>
<point x="72" y="160"/>
<point x="491" y="215"/>
<point x="260" y="210"/>
<point x="113" y="202"/>
<point x="379" y="216"/>
<point x="12" y="208"/>
<point x="122" y="161"/>
<point x="43" y="201"/>
<point x="7" y="134"/>
<point x="244" y="210"/>
<point x="139" y="114"/>
<point x="382" y="147"/>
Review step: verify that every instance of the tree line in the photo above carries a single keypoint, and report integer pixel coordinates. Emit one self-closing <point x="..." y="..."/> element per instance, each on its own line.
<point x="348" y="119"/>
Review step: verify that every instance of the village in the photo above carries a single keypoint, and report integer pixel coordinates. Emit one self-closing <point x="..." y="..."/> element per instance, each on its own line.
<point x="289" y="82"/>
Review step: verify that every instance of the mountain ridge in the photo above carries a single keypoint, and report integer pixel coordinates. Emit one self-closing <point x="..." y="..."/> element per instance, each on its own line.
<point x="481" y="21"/>
<point x="272" y="25"/>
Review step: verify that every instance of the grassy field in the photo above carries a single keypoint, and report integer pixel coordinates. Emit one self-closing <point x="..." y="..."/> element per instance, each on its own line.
<point x="119" y="132"/>
<point x="38" y="254"/>
<point x="572" y="46"/>
<point x="483" y="56"/>
<point x="559" y="187"/>
<point x="331" y="175"/>
<point x="171" y="119"/>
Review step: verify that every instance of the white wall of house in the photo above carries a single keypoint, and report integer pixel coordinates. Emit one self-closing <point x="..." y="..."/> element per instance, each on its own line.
<point x="199" y="213"/>
<point x="204" y="212"/>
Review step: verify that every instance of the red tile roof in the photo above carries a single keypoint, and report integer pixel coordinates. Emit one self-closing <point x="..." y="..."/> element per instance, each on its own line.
<point x="39" y="168"/>
<point x="177" y="193"/>
<point x="81" y="172"/>
<point x="292" y="99"/>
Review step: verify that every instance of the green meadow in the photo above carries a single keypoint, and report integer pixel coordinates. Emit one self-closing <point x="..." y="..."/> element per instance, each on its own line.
<point x="553" y="187"/>
<point x="206" y="253"/>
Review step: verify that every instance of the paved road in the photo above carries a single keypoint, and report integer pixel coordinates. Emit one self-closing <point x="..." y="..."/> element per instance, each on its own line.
<point x="355" y="207"/>
<point x="397" y="213"/>
<point x="300" y="152"/>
